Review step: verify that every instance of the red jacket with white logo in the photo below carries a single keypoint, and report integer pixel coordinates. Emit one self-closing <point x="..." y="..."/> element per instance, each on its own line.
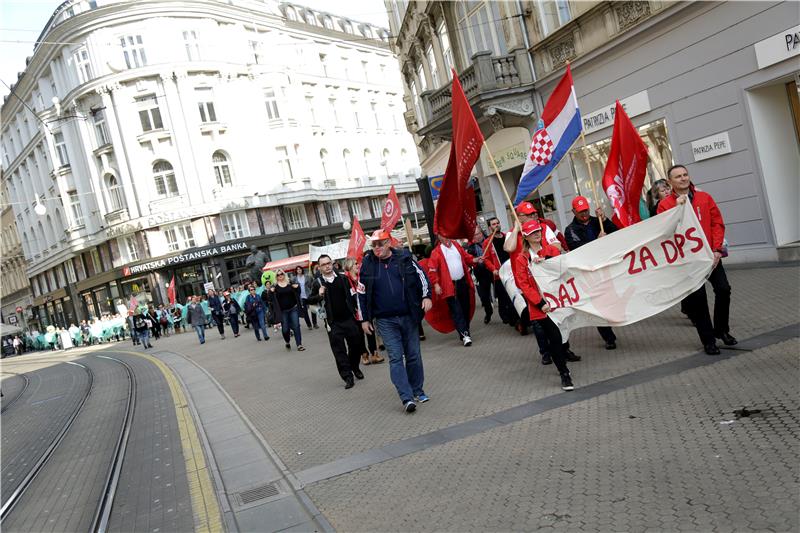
<point x="439" y="273"/>
<point x="707" y="212"/>
<point x="526" y="282"/>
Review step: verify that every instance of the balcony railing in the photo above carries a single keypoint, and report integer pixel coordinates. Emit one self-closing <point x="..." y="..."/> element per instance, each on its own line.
<point x="486" y="74"/>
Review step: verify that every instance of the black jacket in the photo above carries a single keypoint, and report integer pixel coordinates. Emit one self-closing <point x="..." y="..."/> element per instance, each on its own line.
<point x="340" y="279"/>
<point x="578" y="234"/>
<point x="415" y="283"/>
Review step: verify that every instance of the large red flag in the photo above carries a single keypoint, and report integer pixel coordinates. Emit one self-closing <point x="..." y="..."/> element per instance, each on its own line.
<point x="391" y="211"/>
<point x="627" y="165"/>
<point x="455" y="215"/>
<point x="357" y="241"/>
<point x="171" y="291"/>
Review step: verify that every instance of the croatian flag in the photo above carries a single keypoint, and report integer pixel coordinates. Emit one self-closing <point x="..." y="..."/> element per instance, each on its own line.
<point x="558" y="129"/>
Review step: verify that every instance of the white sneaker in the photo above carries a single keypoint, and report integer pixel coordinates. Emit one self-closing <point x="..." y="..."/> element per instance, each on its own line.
<point x="467" y="340"/>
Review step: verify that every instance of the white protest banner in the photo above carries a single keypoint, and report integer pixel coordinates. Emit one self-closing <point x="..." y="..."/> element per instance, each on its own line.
<point x="337" y="250"/>
<point x="624" y="277"/>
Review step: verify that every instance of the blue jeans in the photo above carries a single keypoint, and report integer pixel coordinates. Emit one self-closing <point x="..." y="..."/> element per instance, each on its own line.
<point x="291" y="321"/>
<point x="259" y="325"/>
<point x="201" y="333"/>
<point x="401" y="338"/>
<point x="143" y="336"/>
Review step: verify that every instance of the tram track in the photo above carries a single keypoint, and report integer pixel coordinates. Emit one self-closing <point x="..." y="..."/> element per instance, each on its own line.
<point x="8" y="403"/>
<point x="98" y="500"/>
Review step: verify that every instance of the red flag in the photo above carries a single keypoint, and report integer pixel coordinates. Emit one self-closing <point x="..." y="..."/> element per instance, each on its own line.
<point x="455" y="215"/>
<point x="357" y="241"/>
<point x="391" y="211"/>
<point x="171" y="291"/>
<point x="627" y="165"/>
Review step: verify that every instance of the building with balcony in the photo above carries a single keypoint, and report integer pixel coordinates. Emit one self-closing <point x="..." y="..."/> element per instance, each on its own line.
<point x="710" y="85"/>
<point x="16" y="301"/>
<point x="162" y="139"/>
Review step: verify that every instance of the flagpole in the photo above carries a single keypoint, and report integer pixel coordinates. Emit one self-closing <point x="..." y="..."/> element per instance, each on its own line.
<point x="502" y="185"/>
<point x="591" y="179"/>
<point x="494" y="231"/>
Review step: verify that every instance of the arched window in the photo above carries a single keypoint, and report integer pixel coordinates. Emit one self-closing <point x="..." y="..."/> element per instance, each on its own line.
<point x="42" y="238"/>
<point x="367" y="157"/>
<point x="116" y="198"/>
<point x="51" y="232"/>
<point x="323" y="159"/>
<point x="222" y="170"/>
<point x="348" y="163"/>
<point x="26" y="245"/>
<point x="385" y="160"/>
<point x="164" y="178"/>
<point x="291" y="14"/>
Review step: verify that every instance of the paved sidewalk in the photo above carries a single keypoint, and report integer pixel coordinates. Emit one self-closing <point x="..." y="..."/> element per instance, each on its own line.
<point x="297" y="402"/>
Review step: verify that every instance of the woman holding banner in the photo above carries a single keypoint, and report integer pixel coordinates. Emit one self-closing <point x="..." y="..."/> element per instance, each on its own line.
<point x="535" y="251"/>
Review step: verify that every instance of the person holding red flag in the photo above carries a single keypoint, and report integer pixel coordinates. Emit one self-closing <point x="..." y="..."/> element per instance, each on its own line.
<point x="623" y="178"/>
<point x="448" y="270"/>
<point x="456" y="213"/>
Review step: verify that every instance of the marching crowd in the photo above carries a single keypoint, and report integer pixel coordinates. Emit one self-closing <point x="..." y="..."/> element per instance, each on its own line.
<point x="381" y="301"/>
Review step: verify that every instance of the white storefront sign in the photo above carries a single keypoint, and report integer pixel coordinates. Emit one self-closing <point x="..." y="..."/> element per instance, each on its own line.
<point x="712" y="146"/>
<point x="778" y="48"/>
<point x="604" y="117"/>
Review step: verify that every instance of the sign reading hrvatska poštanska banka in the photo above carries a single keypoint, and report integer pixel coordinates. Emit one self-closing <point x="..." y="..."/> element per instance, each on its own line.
<point x="185" y="257"/>
<point x="624" y="277"/>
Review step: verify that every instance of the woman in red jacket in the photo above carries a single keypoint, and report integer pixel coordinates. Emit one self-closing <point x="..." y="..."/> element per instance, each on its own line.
<point x="535" y="251"/>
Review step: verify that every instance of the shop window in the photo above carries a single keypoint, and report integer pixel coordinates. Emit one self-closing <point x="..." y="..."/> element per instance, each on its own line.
<point x="235" y="225"/>
<point x="411" y="203"/>
<point x="654" y="136"/>
<point x="278" y="251"/>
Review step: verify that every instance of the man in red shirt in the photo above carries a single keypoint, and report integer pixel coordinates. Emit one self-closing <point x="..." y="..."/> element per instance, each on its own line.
<point x="714" y="227"/>
<point x="448" y="270"/>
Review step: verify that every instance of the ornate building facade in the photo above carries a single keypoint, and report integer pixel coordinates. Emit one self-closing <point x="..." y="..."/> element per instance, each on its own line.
<point x="711" y="85"/>
<point x="160" y="139"/>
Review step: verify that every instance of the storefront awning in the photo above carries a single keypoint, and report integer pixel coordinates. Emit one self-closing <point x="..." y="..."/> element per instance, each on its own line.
<point x="288" y="263"/>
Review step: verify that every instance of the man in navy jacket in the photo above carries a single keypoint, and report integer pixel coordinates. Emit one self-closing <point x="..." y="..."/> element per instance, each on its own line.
<point x="397" y="295"/>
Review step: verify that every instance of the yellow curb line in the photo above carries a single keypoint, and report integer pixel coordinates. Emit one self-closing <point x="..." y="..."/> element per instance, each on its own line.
<point x="205" y="507"/>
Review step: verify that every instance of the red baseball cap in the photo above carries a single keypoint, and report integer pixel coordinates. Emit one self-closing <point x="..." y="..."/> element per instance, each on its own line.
<point x="526" y="208"/>
<point x="580" y="203"/>
<point x="531" y="226"/>
<point x="380" y="235"/>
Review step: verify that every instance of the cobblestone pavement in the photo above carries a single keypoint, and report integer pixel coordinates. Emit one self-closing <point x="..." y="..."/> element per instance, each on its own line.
<point x="499" y="479"/>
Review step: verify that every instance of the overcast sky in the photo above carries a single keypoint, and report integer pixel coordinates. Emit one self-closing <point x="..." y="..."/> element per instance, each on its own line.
<point x="23" y="20"/>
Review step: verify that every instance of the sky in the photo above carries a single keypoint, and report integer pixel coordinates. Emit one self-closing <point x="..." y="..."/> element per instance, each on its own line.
<point x="23" y="20"/>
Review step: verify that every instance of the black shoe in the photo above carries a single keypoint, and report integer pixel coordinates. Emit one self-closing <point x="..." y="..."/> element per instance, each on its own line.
<point x="728" y="339"/>
<point x="358" y="374"/>
<point x="711" y="349"/>
<point x="487" y="319"/>
<point x="382" y="347"/>
<point x="288" y="346"/>
<point x="349" y="383"/>
<point x="610" y="345"/>
<point x="546" y="360"/>
<point x="571" y="357"/>
<point x="566" y="382"/>
<point x="409" y="406"/>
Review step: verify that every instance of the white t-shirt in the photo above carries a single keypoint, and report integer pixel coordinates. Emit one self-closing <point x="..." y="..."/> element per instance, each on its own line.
<point x="453" y="259"/>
